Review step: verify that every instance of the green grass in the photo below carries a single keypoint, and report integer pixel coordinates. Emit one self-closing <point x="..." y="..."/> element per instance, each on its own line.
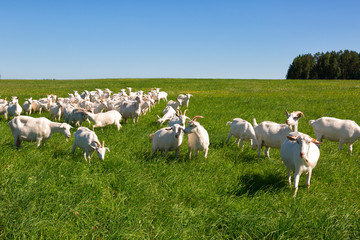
<point x="47" y="193"/>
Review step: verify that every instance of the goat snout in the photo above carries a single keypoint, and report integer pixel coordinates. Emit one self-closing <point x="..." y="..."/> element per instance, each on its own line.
<point x="287" y="121"/>
<point x="302" y="155"/>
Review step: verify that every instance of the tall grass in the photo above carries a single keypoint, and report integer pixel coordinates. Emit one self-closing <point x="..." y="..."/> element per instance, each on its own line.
<point x="48" y="193"/>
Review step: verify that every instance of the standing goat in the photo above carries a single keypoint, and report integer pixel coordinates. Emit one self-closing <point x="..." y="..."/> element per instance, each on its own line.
<point x="29" y="129"/>
<point x="184" y="99"/>
<point x="338" y="130"/>
<point x="167" y="139"/>
<point x="300" y="153"/>
<point x="14" y="109"/>
<point x="131" y="109"/>
<point x="112" y="117"/>
<point x="272" y="135"/>
<point x="88" y="141"/>
<point x="243" y="131"/>
<point x="198" y="137"/>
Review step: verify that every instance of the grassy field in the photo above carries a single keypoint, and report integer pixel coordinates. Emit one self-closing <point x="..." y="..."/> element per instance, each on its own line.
<point x="47" y="193"/>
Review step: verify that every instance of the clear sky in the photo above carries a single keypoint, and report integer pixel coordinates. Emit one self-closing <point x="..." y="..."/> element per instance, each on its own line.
<point x="172" y="38"/>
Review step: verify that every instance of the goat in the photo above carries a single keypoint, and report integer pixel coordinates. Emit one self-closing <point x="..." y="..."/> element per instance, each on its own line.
<point x="88" y="141"/>
<point x="3" y="110"/>
<point x="299" y="153"/>
<point x="27" y="106"/>
<point x="14" y="109"/>
<point x="184" y="99"/>
<point x="167" y="139"/>
<point x="168" y="114"/>
<point x="105" y="119"/>
<point x="338" y="130"/>
<point x="243" y="131"/>
<point x="174" y="104"/>
<point x="78" y="116"/>
<point x="29" y="129"/>
<point x="272" y="135"/>
<point x="198" y="137"/>
<point x="179" y="118"/>
<point x="55" y="111"/>
<point x="131" y="109"/>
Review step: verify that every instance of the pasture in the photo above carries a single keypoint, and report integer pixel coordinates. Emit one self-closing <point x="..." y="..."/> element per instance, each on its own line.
<point x="47" y="193"/>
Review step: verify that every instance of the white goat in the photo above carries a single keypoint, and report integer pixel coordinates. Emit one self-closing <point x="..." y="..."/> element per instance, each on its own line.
<point x="300" y="153"/>
<point x="338" y="130"/>
<point x="14" y="108"/>
<point x="112" y="117"/>
<point x="179" y="118"/>
<point x="174" y="104"/>
<point x="243" y="131"/>
<point x="161" y="95"/>
<point x="168" y="114"/>
<point x="78" y="116"/>
<point x="88" y="142"/>
<point x="272" y="135"/>
<point x="3" y="110"/>
<point x="131" y="109"/>
<point x="27" y="106"/>
<point x="29" y="129"/>
<point x="167" y="139"/>
<point x="55" y="111"/>
<point x="184" y="99"/>
<point x="198" y="138"/>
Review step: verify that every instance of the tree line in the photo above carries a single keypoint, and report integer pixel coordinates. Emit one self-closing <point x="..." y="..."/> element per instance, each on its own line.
<point x="329" y="65"/>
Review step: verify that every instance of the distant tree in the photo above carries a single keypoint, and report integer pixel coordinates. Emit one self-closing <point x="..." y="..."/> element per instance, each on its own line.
<point x="329" y="65"/>
<point x="301" y="67"/>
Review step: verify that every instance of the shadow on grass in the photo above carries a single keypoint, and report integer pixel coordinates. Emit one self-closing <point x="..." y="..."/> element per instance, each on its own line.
<point x="252" y="183"/>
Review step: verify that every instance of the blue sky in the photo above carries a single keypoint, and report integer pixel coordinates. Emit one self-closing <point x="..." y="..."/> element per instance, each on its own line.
<point x="176" y="39"/>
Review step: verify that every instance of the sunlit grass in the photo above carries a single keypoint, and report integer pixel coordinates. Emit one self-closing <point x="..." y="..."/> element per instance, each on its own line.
<point x="49" y="193"/>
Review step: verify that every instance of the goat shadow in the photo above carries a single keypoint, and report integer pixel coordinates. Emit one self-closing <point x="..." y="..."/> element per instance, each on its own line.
<point x="250" y="184"/>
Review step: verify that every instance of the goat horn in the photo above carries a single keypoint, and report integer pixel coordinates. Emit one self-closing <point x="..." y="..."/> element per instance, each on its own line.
<point x="103" y="144"/>
<point x="196" y="117"/>
<point x="97" y="143"/>
<point x="180" y="112"/>
<point x="185" y="111"/>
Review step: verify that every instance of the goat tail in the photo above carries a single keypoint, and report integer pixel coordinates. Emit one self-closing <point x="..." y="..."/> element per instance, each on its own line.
<point x="311" y="122"/>
<point x="255" y="123"/>
<point x="151" y="136"/>
<point x="228" y="123"/>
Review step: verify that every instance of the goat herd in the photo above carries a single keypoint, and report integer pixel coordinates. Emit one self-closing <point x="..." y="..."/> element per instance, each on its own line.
<point x="299" y="152"/>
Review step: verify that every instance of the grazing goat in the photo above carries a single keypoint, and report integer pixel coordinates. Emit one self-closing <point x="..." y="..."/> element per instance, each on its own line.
<point x="168" y="114"/>
<point x="29" y="129"/>
<point x="78" y="116"/>
<point x="198" y="137"/>
<point x="338" y="130"/>
<point x="167" y="139"/>
<point x="300" y="154"/>
<point x="272" y="135"/>
<point x="112" y="117"/>
<point x="243" y="131"/>
<point x="88" y="142"/>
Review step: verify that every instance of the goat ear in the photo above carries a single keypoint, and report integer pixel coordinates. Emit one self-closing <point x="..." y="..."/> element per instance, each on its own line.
<point x="300" y="114"/>
<point x="169" y="128"/>
<point x="316" y="141"/>
<point x="92" y="147"/>
<point x="287" y="114"/>
<point x="107" y="149"/>
<point x="292" y="138"/>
